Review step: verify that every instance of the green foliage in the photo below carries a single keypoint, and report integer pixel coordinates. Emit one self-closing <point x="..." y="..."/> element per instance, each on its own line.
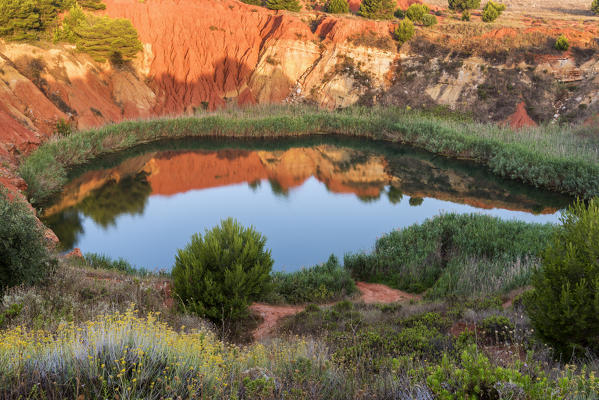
<point x="289" y="5"/>
<point x="492" y="10"/>
<point x="466" y="15"/>
<point x="63" y="128"/>
<point x="24" y="255"/>
<point x="595" y="6"/>
<point x="337" y="7"/>
<point x="564" y="305"/>
<point x="497" y="329"/>
<point x="29" y="19"/>
<point x="320" y="284"/>
<point x="103" y="38"/>
<point x="464" y="255"/>
<point x="92" y="4"/>
<point x="101" y="261"/>
<point x="11" y="312"/>
<point x="429" y="20"/>
<point x="417" y="11"/>
<point x="220" y="274"/>
<point x="253" y="2"/>
<point x="399" y="13"/>
<point x="377" y="9"/>
<point x="404" y="31"/>
<point x="561" y="43"/>
<point x="462" y="5"/>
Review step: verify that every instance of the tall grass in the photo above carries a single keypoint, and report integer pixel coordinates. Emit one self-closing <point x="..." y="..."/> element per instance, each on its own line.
<point x="555" y="158"/>
<point x="465" y="255"/>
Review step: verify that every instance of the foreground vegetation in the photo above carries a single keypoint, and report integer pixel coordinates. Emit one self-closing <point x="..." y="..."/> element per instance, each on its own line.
<point x="77" y="334"/>
<point x="556" y="158"/>
<point x="455" y="255"/>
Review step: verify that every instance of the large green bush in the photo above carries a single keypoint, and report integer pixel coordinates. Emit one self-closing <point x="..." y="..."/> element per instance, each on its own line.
<point x="417" y="11"/>
<point x="337" y="7"/>
<point x="492" y="11"/>
<point x="595" y="6"/>
<point x="564" y="305"/>
<point x="404" y="31"/>
<point x="24" y="254"/>
<point x="463" y="5"/>
<point x="103" y="38"/>
<point x="219" y="274"/>
<point x="28" y="19"/>
<point x="289" y="5"/>
<point x="377" y="9"/>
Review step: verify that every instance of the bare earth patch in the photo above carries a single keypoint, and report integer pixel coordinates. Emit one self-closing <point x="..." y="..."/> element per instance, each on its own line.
<point x="371" y="293"/>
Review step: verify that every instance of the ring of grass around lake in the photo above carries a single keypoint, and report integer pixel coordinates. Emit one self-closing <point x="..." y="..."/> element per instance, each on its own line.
<point x="564" y="160"/>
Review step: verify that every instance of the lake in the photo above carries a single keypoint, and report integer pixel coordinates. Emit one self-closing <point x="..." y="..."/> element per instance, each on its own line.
<point x="310" y="197"/>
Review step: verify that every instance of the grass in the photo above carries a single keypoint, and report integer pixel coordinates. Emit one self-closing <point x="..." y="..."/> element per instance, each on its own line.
<point x="556" y="158"/>
<point x="103" y="262"/>
<point x="322" y="283"/>
<point x="455" y="255"/>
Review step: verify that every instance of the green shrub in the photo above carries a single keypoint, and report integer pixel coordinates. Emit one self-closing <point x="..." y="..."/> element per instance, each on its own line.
<point x="320" y="284"/>
<point x="497" y="329"/>
<point x="253" y="2"/>
<point x="404" y="31"/>
<point x="464" y="255"/>
<point x="101" y="261"/>
<point x="463" y="5"/>
<point x="417" y="11"/>
<point x="595" y="6"/>
<point x="103" y="38"/>
<point x="24" y="254"/>
<point x="399" y="13"/>
<point x="377" y="9"/>
<point x="561" y="43"/>
<point x="466" y="15"/>
<point x="492" y="11"/>
<point x="564" y="305"/>
<point x="289" y="5"/>
<point x="92" y="4"/>
<point x="220" y="274"/>
<point x="337" y="6"/>
<point x="429" y="20"/>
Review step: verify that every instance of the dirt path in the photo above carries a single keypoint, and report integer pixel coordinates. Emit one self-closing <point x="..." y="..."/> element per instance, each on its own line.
<point x="371" y="293"/>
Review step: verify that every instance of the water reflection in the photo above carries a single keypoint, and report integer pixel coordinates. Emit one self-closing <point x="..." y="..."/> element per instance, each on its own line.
<point x="120" y="201"/>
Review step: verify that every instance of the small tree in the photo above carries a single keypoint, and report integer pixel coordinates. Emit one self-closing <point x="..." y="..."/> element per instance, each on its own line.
<point x="417" y="11"/>
<point x="404" y="31"/>
<point x="24" y="254"/>
<point x="377" y="9"/>
<point x="429" y="20"/>
<point x="92" y="4"/>
<point x="337" y="6"/>
<point x="595" y="6"/>
<point x="218" y="275"/>
<point x="492" y="11"/>
<point x="464" y="6"/>
<point x="564" y="305"/>
<point x="289" y="5"/>
<point x="561" y="43"/>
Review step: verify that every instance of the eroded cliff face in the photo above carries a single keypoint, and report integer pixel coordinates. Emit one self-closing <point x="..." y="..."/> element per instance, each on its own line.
<point x="207" y="54"/>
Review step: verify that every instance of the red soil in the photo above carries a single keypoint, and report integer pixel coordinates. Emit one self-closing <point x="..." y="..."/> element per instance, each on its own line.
<point x="520" y="118"/>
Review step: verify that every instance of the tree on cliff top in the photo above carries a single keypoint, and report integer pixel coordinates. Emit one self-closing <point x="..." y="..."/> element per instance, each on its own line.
<point x="290" y="5"/>
<point x="337" y="6"/>
<point x="28" y="19"/>
<point x="101" y="37"/>
<point x="377" y="9"/>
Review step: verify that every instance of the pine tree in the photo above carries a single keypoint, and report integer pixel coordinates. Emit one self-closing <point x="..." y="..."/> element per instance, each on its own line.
<point x="218" y="275"/>
<point x="564" y="305"/>
<point x="337" y="6"/>
<point x="377" y="9"/>
<point x="463" y="5"/>
<point x="290" y="5"/>
<point x="19" y="19"/>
